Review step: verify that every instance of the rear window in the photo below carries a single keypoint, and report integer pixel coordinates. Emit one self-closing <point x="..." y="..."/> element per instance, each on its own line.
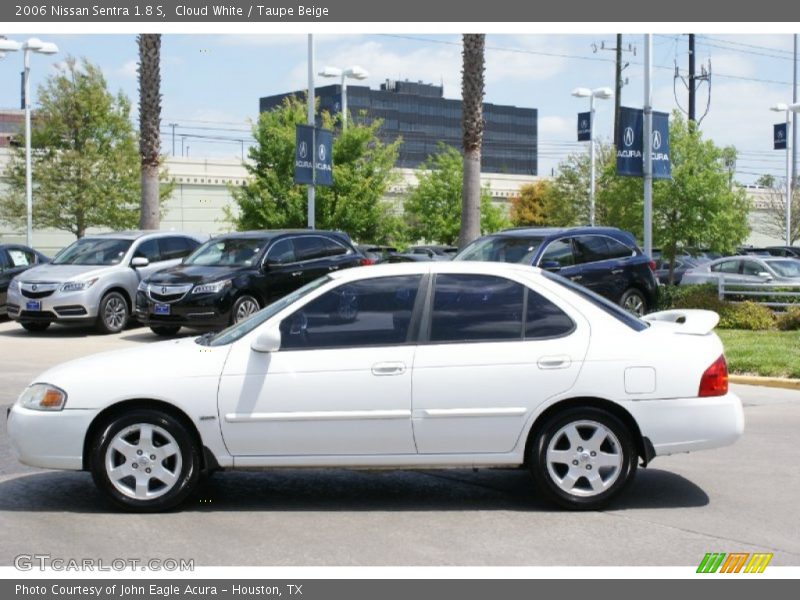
<point x="620" y="314"/>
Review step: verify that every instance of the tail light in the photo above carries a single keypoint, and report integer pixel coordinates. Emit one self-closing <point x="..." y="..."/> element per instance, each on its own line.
<point x="652" y="265"/>
<point x="714" y="381"/>
<point x="367" y="261"/>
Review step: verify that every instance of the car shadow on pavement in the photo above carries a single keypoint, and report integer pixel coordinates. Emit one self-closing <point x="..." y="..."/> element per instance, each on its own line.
<point x="297" y="490"/>
<point x="62" y="331"/>
<point x="148" y="337"/>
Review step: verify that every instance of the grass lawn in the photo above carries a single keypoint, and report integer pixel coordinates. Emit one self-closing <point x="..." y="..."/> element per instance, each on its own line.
<point x="768" y="353"/>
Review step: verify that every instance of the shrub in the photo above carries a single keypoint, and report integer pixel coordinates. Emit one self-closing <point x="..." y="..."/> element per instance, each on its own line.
<point x="789" y="320"/>
<point x="689" y="296"/>
<point x="746" y="315"/>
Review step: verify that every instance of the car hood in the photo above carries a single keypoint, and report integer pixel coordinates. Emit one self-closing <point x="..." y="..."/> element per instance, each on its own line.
<point x="53" y="273"/>
<point x="150" y="370"/>
<point x="194" y="274"/>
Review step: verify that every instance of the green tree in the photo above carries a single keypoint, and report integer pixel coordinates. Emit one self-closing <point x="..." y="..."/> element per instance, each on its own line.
<point x="362" y="173"/>
<point x="85" y="163"/>
<point x="530" y="205"/>
<point x="433" y="209"/>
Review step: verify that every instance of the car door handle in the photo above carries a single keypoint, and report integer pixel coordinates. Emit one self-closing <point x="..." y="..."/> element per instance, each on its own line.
<point x="576" y="277"/>
<point x="332" y="268"/>
<point x="554" y="362"/>
<point x="616" y="271"/>
<point x="388" y="368"/>
<point x="297" y="273"/>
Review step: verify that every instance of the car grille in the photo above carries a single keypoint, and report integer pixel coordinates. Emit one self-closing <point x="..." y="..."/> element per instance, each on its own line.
<point x="37" y="289"/>
<point x="167" y="293"/>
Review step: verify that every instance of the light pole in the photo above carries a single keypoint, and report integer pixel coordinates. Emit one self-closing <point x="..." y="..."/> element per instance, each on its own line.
<point x="604" y="93"/>
<point x="788" y="109"/>
<point x="39" y="47"/>
<point x="354" y="72"/>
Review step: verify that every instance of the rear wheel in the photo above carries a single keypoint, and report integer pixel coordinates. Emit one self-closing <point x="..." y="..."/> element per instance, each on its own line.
<point x="165" y="330"/>
<point x="582" y="458"/>
<point x="35" y="325"/>
<point x="146" y="461"/>
<point x="634" y="302"/>
<point x="113" y="314"/>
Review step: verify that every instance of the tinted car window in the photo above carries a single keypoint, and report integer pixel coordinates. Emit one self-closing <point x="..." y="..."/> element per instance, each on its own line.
<point x="370" y="312"/>
<point x="97" y="251"/>
<point x="728" y="266"/>
<point x="510" y="249"/>
<point x="786" y="268"/>
<point x="617" y="249"/>
<point x="21" y="258"/>
<point x="309" y="247"/>
<point x="752" y="268"/>
<point x="543" y="319"/>
<point x="3" y="260"/>
<point x="281" y="253"/>
<point x="174" y="247"/>
<point x="333" y="248"/>
<point x="469" y="308"/>
<point x="148" y="250"/>
<point x="590" y="248"/>
<point x="238" y="252"/>
<point x="559" y="252"/>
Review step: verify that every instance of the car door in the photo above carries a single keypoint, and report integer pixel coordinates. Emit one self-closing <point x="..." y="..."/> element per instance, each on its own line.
<point x="340" y="383"/>
<point x="728" y="270"/>
<point x="750" y="272"/>
<point x="591" y="254"/>
<point x="339" y="255"/>
<point x="5" y="279"/>
<point x="491" y="351"/>
<point x="311" y="257"/>
<point x="280" y="271"/>
<point x="558" y="256"/>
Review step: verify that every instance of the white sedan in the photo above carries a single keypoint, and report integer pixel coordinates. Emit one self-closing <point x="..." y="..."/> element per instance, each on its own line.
<point x="425" y="365"/>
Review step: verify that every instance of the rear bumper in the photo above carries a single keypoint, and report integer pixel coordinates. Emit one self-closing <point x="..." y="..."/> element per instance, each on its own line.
<point x="689" y="424"/>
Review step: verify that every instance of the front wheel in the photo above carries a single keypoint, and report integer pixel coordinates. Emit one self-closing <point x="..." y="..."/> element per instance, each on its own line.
<point x="582" y="458"/>
<point x="145" y="461"/>
<point x="244" y="307"/>
<point x="634" y="302"/>
<point x="113" y="314"/>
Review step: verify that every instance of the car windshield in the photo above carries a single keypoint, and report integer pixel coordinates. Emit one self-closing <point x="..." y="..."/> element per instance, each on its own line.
<point x="238" y="252"/>
<point x="510" y="249"/>
<point x="97" y="251"/>
<point x="242" y="328"/>
<point x="786" y="268"/>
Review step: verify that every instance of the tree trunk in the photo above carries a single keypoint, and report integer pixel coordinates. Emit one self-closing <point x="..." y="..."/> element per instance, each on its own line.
<point x="472" y="88"/>
<point x="149" y="127"/>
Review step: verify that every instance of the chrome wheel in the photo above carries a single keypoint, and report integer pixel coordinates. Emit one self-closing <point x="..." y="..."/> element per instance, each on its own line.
<point x="115" y="313"/>
<point x="245" y="307"/>
<point x="143" y="461"/>
<point x="634" y="303"/>
<point x="584" y="458"/>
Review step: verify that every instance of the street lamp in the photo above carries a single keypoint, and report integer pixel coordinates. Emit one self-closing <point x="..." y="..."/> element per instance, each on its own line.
<point x="39" y="47"/>
<point x="788" y="109"/>
<point x="603" y="93"/>
<point x="354" y="72"/>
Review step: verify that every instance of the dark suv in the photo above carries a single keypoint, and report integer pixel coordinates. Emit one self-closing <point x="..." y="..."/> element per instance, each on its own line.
<point x="604" y="259"/>
<point x="232" y="276"/>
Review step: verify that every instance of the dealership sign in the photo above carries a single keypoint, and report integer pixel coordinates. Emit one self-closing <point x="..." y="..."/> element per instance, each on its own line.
<point x="630" y="135"/>
<point x="584" y="126"/>
<point x="779" y="136"/>
<point x="313" y="155"/>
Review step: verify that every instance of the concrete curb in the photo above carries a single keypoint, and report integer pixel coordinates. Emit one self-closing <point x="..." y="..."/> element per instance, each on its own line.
<point x="773" y="382"/>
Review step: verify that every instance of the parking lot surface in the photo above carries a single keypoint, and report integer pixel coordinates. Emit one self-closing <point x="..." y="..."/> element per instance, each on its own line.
<point x="742" y="498"/>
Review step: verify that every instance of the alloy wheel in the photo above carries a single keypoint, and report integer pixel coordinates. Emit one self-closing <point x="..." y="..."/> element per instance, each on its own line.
<point x="245" y="308"/>
<point x="114" y="313"/>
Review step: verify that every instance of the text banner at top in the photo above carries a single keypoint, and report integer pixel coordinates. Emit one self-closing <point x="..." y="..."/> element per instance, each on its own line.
<point x="472" y="11"/>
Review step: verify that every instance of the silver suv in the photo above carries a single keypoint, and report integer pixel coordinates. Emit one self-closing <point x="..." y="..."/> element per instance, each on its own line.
<point x="94" y="279"/>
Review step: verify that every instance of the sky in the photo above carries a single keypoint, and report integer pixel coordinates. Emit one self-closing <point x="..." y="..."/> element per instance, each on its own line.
<point x="211" y="84"/>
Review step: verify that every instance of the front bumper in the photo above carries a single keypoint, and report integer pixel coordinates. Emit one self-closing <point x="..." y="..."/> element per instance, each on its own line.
<point x="689" y="424"/>
<point x="58" y="306"/>
<point x="206" y="311"/>
<point x="50" y="440"/>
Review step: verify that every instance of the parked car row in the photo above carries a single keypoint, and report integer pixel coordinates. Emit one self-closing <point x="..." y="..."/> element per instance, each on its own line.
<point x="745" y="269"/>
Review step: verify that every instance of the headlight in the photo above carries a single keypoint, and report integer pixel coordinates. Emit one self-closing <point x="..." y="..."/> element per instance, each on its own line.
<point x="142" y="286"/>
<point x="42" y="396"/>
<point x="211" y="288"/>
<point x="13" y="286"/>
<point x="78" y="286"/>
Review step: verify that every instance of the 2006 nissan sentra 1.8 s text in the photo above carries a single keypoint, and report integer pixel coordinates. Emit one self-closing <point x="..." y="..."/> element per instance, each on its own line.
<point x="432" y="364"/>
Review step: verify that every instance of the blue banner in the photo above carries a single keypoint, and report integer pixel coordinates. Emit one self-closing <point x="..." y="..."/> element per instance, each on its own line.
<point x="313" y="155"/>
<point x="779" y="136"/>
<point x="584" y="126"/>
<point x="630" y="134"/>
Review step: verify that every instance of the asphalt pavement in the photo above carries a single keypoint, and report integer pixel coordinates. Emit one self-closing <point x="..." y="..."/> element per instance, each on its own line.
<point x="742" y="498"/>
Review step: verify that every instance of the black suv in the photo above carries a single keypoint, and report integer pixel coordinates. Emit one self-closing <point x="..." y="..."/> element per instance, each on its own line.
<point x="604" y="259"/>
<point x="232" y="276"/>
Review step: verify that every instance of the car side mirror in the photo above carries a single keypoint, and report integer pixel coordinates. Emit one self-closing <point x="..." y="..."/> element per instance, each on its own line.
<point x="268" y="340"/>
<point x="765" y="276"/>
<point x="550" y="265"/>
<point x="139" y="261"/>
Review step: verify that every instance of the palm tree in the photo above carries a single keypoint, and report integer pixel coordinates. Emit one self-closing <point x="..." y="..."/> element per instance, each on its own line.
<point x="149" y="126"/>
<point x="472" y="123"/>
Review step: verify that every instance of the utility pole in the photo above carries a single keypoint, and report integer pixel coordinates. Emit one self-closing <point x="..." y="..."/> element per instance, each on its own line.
<point x="173" y="125"/>
<point x="619" y="67"/>
<point x="692" y="84"/>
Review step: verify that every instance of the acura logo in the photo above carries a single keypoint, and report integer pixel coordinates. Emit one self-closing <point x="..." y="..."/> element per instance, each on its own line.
<point x="163" y="289"/>
<point x="303" y="150"/>
<point x="780" y="134"/>
<point x="584" y="124"/>
<point x="34" y="287"/>
<point x="656" y="140"/>
<point x="321" y="152"/>
<point x="629" y="137"/>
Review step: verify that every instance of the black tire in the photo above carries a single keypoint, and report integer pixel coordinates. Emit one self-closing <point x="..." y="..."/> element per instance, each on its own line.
<point x="634" y="302"/>
<point x="35" y="326"/>
<point x="553" y="479"/>
<point x="165" y="330"/>
<point x="187" y="474"/>
<point x="113" y="314"/>
<point x="238" y="307"/>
